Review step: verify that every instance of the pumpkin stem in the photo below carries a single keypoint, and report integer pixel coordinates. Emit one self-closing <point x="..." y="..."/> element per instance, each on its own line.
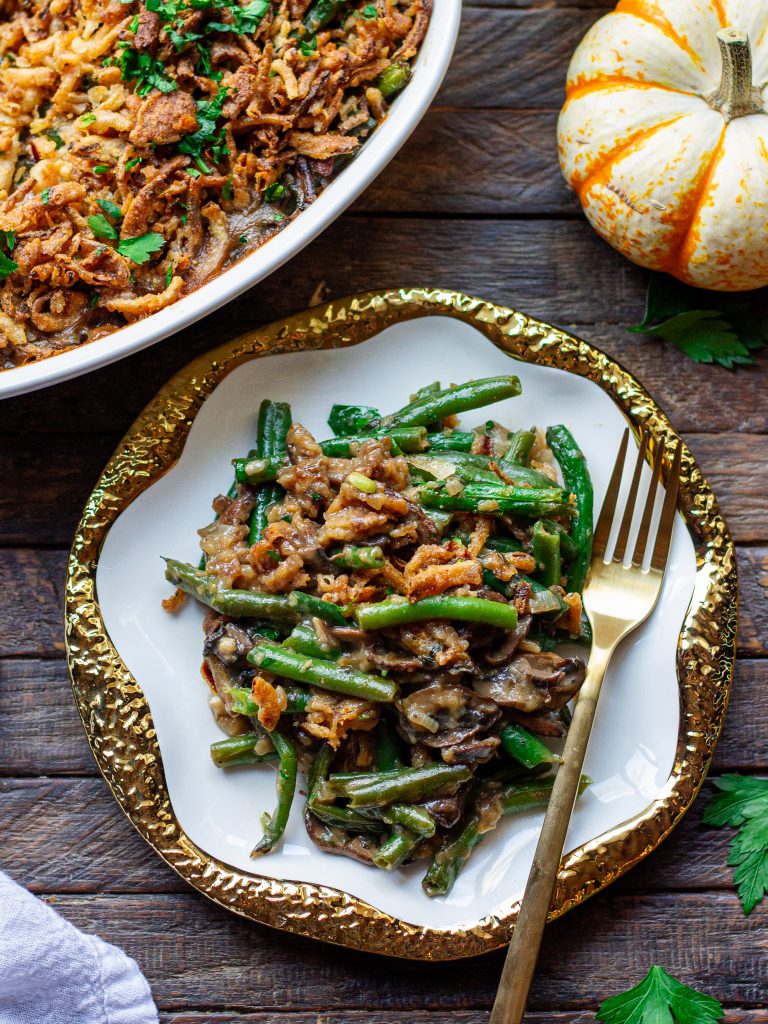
<point x="736" y="95"/>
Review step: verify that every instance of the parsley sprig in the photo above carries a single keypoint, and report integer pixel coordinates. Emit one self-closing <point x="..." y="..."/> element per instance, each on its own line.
<point x="709" y="327"/>
<point x="660" y="999"/>
<point x="208" y="136"/>
<point x="743" y="804"/>
<point x="7" y="265"/>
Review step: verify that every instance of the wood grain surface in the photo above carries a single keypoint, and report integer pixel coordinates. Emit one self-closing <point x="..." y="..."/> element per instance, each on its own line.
<point x="473" y="202"/>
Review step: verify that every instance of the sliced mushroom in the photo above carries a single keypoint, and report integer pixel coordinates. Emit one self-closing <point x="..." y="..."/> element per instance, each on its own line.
<point x="336" y="840"/>
<point x="501" y="654"/>
<point x="447" y="810"/>
<point x="473" y="751"/>
<point x="444" y="714"/>
<point x="534" y="682"/>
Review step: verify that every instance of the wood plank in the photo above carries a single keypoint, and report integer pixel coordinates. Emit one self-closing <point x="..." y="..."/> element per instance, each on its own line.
<point x="753" y="606"/>
<point x="411" y="1017"/>
<point x="32" y="585"/>
<point x="736" y="466"/>
<point x="97" y="850"/>
<point x="490" y="162"/>
<point x="514" y="57"/>
<point x="189" y="948"/>
<point x="41" y="732"/>
<point x="101" y="402"/>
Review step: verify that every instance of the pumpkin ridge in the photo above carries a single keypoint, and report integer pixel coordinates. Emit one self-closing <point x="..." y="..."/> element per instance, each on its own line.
<point x="680" y="259"/>
<point x="620" y="151"/>
<point x="639" y="10"/>
<point x="579" y="88"/>
<point x="720" y="12"/>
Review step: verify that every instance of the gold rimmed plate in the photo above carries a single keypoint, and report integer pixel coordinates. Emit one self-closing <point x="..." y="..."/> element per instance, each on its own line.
<point x="135" y="669"/>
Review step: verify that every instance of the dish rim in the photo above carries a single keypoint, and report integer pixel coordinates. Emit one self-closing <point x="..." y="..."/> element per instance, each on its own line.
<point x="429" y="69"/>
<point x="118" y="722"/>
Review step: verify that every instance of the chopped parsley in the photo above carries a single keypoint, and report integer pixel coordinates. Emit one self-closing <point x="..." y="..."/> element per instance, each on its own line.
<point x="55" y="138"/>
<point x="88" y="118"/>
<point x="45" y="195"/>
<point x="279" y="216"/>
<point x="93" y="301"/>
<point x="309" y="47"/>
<point x="101" y="227"/>
<point x="227" y="192"/>
<point x="369" y="12"/>
<point x="169" y="276"/>
<point x="133" y="162"/>
<point x="140" y="249"/>
<point x="7" y="266"/>
<point x="274" y="191"/>
<point x="193" y="173"/>
<point x="111" y="209"/>
<point x="8" y="239"/>
<point x="207" y="136"/>
<point x="141" y="67"/>
<point x="243" y="239"/>
<point x="101" y="168"/>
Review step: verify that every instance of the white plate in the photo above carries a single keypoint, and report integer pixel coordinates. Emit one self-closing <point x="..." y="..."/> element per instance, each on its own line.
<point x="429" y="69"/>
<point x="633" y="746"/>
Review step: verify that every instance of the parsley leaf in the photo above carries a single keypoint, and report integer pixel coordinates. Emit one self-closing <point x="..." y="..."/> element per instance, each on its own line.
<point x="7" y="266"/>
<point x="274" y="191"/>
<point x="148" y="72"/>
<point x="309" y="47"/>
<point x="743" y="804"/>
<point x="207" y="135"/>
<point x="88" y="118"/>
<point x="55" y="138"/>
<point x="369" y="12"/>
<point x="709" y="327"/>
<point x="8" y="239"/>
<point x="101" y="227"/>
<point x="140" y="249"/>
<point x="660" y="999"/>
<point x="45" y="195"/>
<point x="133" y="162"/>
<point x="111" y="209"/>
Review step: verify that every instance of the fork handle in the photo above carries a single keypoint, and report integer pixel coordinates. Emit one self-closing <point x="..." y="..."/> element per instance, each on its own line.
<point x="520" y="962"/>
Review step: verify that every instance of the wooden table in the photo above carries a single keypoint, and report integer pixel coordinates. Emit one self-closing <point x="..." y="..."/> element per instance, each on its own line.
<point x="474" y="202"/>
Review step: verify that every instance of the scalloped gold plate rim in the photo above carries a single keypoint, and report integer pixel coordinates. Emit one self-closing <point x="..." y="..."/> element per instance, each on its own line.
<point x="116" y="715"/>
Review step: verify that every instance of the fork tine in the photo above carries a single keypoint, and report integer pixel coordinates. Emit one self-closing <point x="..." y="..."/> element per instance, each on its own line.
<point x="629" y="509"/>
<point x="605" y="519"/>
<point x="667" y="518"/>
<point x="650" y="501"/>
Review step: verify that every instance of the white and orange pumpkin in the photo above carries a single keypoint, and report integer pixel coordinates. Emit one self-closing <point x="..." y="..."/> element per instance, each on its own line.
<point x="664" y="137"/>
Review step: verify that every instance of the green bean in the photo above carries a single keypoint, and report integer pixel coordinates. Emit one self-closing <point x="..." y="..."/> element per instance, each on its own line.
<point x="274" y="423"/>
<point x="415" y="819"/>
<point x="315" y="672"/>
<point x="387" y="748"/>
<point x="568" y="549"/>
<point x="238" y="750"/>
<point x="258" y="470"/>
<point x="274" y="824"/>
<point x="526" y="748"/>
<point x="404" y="785"/>
<point x="351" y="419"/>
<point x="404" y="439"/>
<point x="322" y="13"/>
<point x="490" y="499"/>
<point x="396" y="611"/>
<point x="471" y="468"/>
<point x="307" y="604"/>
<point x="305" y="640"/>
<point x="244" y="704"/>
<point x="503" y="544"/>
<point x="546" y="551"/>
<point x="393" y="852"/>
<point x="318" y="770"/>
<point x="237" y="603"/>
<point x="351" y="557"/>
<point x="450" y="401"/>
<point x="542" y="601"/>
<point x="576" y="477"/>
<point x="519" y="452"/>
<point x="393" y="79"/>
<point x="450" y="441"/>
<point x="344" y="817"/>
<point x="453" y="855"/>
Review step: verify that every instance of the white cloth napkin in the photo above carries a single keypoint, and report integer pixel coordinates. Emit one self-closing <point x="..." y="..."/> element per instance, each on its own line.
<point x="51" y="973"/>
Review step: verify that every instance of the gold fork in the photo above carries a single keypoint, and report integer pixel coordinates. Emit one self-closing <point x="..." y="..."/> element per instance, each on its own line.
<point x="617" y="599"/>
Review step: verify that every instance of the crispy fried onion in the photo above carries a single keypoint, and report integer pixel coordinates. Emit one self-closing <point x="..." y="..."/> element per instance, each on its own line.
<point x="331" y="717"/>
